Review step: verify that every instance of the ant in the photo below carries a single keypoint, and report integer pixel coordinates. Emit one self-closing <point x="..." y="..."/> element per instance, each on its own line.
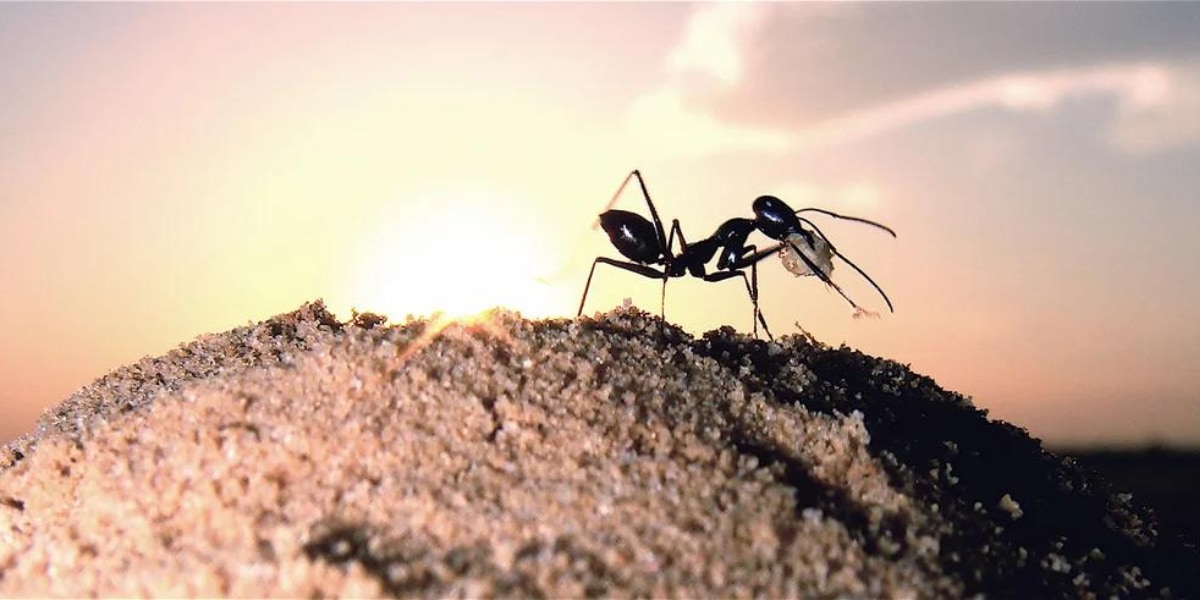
<point x="646" y="243"/>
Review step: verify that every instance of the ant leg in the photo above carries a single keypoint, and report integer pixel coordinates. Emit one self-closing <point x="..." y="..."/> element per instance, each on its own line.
<point x="834" y="250"/>
<point x="754" y="297"/>
<point x="751" y="256"/>
<point x="824" y="277"/>
<point x="755" y="255"/>
<point x="676" y="230"/>
<point x="642" y="270"/>
<point x="662" y="306"/>
<point x="751" y="289"/>
<point x="615" y="196"/>
<point x="669" y="253"/>
<point x="587" y="286"/>
<point x="646" y="193"/>
<point x="658" y="226"/>
<point x="757" y="309"/>
<point x="663" y="241"/>
<point x="751" y="260"/>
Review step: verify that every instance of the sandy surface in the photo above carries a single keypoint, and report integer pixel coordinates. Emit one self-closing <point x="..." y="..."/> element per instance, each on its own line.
<point x="303" y="456"/>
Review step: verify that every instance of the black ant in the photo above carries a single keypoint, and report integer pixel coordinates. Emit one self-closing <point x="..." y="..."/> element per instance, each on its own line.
<point x="646" y="243"/>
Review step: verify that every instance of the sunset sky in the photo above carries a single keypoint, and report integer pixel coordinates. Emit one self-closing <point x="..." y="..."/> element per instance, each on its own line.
<point x="169" y="170"/>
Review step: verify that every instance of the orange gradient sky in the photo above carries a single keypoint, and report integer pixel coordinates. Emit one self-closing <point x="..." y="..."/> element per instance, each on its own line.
<point x="176" y="169"/>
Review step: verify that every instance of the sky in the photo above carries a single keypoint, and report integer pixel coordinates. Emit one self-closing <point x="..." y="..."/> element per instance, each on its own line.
<point x="171" y="170"/>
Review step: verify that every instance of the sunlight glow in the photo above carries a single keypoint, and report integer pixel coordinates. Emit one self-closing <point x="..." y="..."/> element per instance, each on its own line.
<point x="454" y="249"/>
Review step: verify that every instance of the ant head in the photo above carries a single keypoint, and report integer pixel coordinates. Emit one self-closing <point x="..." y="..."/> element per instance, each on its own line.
<point x="774" y="217"/>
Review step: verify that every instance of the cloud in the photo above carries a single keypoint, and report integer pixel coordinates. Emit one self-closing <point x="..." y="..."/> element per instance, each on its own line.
<point x="802" y="66"/>
<point x="663" y="124"/>
<point x="1157" y="104"/>
<point x="667" y="122"/>
<point x="713" y="40"/>
<point x="1164" y="115"/>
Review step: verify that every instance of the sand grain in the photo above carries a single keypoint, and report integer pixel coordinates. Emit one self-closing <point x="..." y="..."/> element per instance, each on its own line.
<point x="303" y="456"/>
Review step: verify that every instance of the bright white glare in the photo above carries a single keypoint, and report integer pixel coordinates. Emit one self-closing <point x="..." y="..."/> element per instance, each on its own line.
<point x="455" y="249"/>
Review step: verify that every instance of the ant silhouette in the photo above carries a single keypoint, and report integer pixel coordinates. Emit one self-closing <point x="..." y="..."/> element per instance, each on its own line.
<point x="646" y="243"/>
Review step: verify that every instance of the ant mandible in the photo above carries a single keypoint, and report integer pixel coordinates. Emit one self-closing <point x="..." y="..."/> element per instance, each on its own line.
<point x="645" y="243"/>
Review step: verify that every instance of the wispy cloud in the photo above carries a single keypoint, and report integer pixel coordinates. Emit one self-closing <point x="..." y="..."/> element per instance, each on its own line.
<point x="1164" y="113"/>
<point x="709" y="58"/>
<point x="1157" y="103"/>
<point x="663" y="124"/>
<point x="713" y="41"/>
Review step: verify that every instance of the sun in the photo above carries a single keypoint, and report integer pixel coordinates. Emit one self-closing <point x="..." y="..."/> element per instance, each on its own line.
<point x="457" y="250"/>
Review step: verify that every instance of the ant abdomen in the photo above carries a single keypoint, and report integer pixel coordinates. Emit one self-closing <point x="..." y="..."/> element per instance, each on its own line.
<point x="632" y="235"/>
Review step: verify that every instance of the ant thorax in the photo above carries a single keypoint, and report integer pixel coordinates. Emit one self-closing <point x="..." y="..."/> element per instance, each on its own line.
<point x="818" y="253"/>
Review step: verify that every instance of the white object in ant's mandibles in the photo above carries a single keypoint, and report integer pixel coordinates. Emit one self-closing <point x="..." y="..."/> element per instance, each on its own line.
<point x="800" y="257"/>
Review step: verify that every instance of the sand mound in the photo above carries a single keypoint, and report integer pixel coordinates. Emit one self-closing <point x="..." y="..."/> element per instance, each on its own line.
<point x="304" y="456"/>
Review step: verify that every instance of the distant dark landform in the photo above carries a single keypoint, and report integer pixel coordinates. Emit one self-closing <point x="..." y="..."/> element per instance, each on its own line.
<point x="1166" y="480"/>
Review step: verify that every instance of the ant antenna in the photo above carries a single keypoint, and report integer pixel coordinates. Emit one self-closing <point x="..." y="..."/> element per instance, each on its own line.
<point x="848" y="218"/>
<point x="822" y="274"/>
<point x="833" y="249"/>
